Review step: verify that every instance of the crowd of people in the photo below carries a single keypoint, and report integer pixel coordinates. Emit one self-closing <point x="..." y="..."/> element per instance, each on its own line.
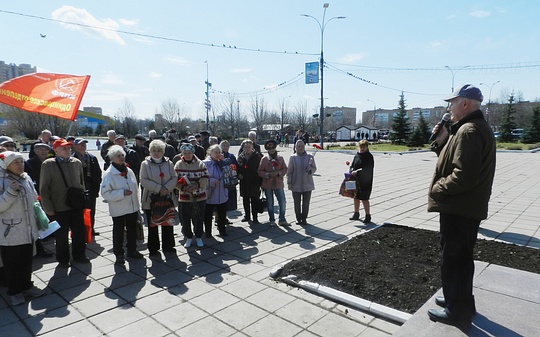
<point x="161" y="181"/>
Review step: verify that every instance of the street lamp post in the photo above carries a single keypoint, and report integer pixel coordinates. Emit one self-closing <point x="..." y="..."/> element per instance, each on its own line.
<point x="207" y="104"/>
<point x="488" y="110"/>
<point x="322" y="26"/>
<point x="454" y="73"/>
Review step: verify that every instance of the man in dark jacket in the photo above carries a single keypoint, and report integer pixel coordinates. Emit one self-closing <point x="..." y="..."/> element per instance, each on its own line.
<point x="139" y="147"/>
<point x="132" y="158"/>
<point x="460" y="192"/>
<point x="92" y="175"/>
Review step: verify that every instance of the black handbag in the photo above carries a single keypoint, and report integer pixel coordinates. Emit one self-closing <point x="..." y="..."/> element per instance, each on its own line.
<point x="76" y="198"/>
<point x="261" y="205"/>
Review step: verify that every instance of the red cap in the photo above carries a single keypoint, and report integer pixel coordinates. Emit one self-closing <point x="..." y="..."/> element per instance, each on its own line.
<point x="61" y="143"/>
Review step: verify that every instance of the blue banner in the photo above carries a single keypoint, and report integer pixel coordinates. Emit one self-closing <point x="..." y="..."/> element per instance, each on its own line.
<point x="312" y="72"/>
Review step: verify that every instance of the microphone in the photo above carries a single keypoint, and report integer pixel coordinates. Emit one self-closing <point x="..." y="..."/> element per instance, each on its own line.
<point x="445" y="118"/>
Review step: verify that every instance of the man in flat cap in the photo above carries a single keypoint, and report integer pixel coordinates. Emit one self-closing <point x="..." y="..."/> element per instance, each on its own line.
<point x="460" y="192"/>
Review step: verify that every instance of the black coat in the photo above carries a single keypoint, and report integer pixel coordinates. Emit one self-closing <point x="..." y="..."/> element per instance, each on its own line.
<point x="92" y="174"/>
<point x="364" y="178"/>
<point x="250" y="184"/>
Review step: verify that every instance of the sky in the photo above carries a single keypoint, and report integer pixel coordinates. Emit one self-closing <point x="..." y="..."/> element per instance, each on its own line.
<point x="149" y="53"/>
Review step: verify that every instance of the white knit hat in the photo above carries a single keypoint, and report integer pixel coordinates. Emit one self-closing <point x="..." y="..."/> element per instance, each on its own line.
<point x="7" y="157"/>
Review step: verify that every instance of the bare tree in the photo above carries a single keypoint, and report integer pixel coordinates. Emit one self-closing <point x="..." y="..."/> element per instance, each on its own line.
<point x="230" y="110"/>
<point x="173" y="115"/>
<point x="127" y="119"/>
<point x="30" y="124"/>
<point x="284" y="111"/>
<point x="260" y="113"/>
<point x="300" y="118"/>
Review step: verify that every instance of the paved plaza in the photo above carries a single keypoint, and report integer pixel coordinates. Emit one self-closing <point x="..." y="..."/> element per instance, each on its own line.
<point x="224" y="289"/>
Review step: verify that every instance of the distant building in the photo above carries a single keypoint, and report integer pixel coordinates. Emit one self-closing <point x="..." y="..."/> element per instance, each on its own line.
<point x="337" y="116"/>
<point x="9" y="71"/>
<point x="383" y="118"/>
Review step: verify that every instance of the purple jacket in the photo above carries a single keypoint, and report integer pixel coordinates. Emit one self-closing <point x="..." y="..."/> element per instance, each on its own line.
<point x="216" y="191"/>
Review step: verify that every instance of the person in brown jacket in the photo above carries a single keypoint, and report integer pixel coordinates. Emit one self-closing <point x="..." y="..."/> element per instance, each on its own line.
<point x="460" y="192"/>
<point x="53" y="192"/>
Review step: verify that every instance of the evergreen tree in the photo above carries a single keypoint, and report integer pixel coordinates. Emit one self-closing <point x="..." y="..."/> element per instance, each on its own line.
<point x="400" y="126"/>
<point x="421" y="134"/>
<point x="507" y="121"/>
<point x="531" y="133"/>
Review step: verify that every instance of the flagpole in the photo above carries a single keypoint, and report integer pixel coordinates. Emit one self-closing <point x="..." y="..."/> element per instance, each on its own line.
<point x="69" y="130"/>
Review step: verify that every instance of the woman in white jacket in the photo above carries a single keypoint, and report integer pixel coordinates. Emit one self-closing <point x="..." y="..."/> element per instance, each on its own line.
<point x="120" y="189"/>
<point x="18" y="228"/>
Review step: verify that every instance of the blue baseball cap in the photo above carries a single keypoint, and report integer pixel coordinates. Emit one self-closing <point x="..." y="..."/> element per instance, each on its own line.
<point x="467" y="91"/>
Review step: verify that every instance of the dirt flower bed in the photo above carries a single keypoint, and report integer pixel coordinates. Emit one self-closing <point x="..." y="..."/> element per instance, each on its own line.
<point x="397" y="266"/>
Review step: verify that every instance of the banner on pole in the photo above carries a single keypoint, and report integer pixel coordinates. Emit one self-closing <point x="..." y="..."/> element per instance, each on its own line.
<point x="56" y="95"/>
<point x="312" y="72"/>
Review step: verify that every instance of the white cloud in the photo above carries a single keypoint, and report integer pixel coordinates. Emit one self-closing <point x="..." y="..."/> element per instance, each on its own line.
<point x="352" y="58"/>
<point x="154" y="75"/>
<point x="241" y="70"/>
<point x="110" y="79"/>
<point x="177" y="60"/>
<point x="479" y="14"/>
<point x="436" y="44"/>
<point x="129" y="23"/>
<point x="105" y="28"/>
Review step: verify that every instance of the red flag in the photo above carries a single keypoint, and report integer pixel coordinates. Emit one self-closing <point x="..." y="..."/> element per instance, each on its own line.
<point x="56" y="95"/>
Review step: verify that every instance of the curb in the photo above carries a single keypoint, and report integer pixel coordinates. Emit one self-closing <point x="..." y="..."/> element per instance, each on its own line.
<point x="376" y="309"/>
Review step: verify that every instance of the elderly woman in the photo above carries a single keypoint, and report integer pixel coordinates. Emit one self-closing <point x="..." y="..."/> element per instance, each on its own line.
<point x="300" y="180"/>
<point x="250" y="182"/>
<point x="217" y="193"/>
<point x="192" y="182"/>
<point x="18" y="227"/>
<point x="362" y="168"/>
<point x="119" y="189"/>
<point x="230" y="159"/>
<point x="158" y="179"/>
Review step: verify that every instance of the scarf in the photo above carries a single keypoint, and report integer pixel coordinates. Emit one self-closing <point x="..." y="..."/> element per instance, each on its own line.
<point x="122" y="168"/>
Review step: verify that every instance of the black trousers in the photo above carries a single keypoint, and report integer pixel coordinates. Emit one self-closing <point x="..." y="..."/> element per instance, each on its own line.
<point x="167" y="235"/>
<point x="70" y="220"/>
<point x="221" y="214"/>
<point x="192" y="213"/>
<point x="301" y="204"/>
<point x="458" y="236"/>
<point x="129" y="223"/>
<point x="18" y="267"/>
<point x="250" y="207"/>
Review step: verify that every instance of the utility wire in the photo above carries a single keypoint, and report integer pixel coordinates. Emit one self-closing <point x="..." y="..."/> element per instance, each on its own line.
<point x="215" y="45"/>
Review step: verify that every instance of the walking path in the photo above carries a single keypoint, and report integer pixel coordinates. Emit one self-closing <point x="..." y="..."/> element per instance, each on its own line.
<point x="224" y="288"/>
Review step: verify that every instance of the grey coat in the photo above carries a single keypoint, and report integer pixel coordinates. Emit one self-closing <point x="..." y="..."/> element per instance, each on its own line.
<point x="300" y="172"/>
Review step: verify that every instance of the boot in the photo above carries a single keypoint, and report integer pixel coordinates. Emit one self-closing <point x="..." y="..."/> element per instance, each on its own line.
<point x="367" y="219"/>
<point x="356" y="216"/>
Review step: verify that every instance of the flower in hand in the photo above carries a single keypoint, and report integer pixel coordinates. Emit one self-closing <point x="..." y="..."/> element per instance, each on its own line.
<point x="347" y="163"/>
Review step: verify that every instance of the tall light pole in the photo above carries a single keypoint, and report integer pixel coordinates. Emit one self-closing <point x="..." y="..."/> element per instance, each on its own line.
<point x="322" y="25"/>
<point x="454" y="73"/>
<point x="207" y="104"/>
<point x="488" y="111"/>
<point x="374" y="108"/>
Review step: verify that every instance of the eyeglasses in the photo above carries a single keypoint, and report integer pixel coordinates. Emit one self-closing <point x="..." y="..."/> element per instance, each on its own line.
<point x="270" y="147"/>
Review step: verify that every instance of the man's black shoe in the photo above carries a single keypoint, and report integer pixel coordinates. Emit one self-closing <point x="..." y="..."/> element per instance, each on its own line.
<point x="63" y="264"/>
<point x="441" y="302"/>
<point x="45" y="254"/>
<point x="440" y="315"/>
<point x="83" y="260"/>
<point x="135" y="254"/>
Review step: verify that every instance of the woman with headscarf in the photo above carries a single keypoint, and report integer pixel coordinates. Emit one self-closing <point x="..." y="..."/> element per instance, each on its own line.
<point x="300" y="180"/>
<point x="18" y="227"/>
<point x="218" y="195"/>
<point x="158" y="179"/>
<point x="120" y="189"/>
<point x="192" y="182"/>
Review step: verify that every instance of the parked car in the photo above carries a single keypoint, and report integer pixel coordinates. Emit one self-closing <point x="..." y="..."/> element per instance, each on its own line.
<point x="517" y="133"/>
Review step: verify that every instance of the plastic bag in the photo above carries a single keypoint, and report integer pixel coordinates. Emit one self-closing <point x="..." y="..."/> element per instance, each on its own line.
<point x="42" y="221"/>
